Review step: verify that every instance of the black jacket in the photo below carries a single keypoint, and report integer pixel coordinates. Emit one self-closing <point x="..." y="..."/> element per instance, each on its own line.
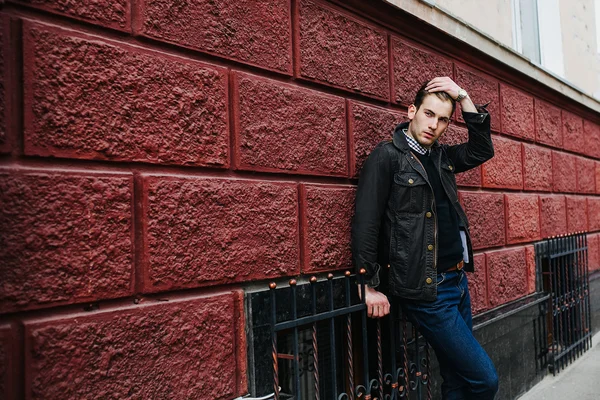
<point x="395" y="223"/>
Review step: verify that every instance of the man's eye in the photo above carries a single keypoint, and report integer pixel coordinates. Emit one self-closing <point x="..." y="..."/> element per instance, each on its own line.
<point x="428" y="114"/>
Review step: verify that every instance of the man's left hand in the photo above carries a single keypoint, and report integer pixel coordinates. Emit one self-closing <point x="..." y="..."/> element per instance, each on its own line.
<point x="443" y="84"/>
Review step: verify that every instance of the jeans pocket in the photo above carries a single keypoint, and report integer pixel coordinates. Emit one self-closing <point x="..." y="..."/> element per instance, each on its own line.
<point x="441" y="277"/>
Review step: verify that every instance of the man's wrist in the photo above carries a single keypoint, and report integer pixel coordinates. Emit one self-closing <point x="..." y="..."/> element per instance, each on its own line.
<point x="462" y="94"/>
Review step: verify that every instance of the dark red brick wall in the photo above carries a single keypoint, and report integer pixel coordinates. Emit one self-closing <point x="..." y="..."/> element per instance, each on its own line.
<point x="158" y="157"/>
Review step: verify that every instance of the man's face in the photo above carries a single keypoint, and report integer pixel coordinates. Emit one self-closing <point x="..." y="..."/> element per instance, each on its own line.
<point x="430" y="121"/>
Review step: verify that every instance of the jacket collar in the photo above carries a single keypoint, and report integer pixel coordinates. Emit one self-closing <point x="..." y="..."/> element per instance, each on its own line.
<point x="400" y="142"/>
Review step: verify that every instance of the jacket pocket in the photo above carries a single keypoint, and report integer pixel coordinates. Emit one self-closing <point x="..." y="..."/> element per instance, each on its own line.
<point x="409" y="192"/>
<point x="407" y="257"/>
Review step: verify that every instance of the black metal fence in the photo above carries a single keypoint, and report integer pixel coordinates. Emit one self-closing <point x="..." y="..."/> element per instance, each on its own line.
<point x="564" y="274"/>
<point x="332" y="350"/>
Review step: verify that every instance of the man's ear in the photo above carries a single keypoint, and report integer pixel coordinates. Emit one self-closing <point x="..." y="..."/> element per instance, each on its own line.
<point x="412" y="110"/>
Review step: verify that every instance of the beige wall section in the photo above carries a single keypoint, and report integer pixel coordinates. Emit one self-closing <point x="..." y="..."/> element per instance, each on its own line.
<point x="581" y="59"/>
<point x="430" y="12"/>
<point x="493" y="17"/>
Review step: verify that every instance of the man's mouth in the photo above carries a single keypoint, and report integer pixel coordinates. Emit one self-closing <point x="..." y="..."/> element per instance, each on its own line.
<point x="428" y="135"/>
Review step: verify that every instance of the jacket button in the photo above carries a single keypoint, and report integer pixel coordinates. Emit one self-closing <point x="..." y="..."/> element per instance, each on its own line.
<point x="429" y="280"/>
<point x="411" y="181"/>
<point x="430" y="247"/>
<point x="450" y="167"/>
<point x="428" y="215"/>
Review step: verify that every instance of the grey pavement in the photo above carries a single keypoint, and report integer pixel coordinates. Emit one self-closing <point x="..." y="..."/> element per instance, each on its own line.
<point x="579" y="381"/>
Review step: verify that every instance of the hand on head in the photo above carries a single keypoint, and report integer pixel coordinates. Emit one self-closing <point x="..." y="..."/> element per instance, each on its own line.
<point x="443" y="84"/>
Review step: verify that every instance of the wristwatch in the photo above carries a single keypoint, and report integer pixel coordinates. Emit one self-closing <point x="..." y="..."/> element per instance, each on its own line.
<point x="462" y="93"/>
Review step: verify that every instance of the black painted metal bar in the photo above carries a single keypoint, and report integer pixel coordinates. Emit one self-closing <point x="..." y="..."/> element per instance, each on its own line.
<point x="391" y="379"/>
<point x="319" y="317"/>
<point x="587" y="296"/>
<point x="407" y="387"/>
<point x="296" y="360"/>
<point x="332" y="334"/>
<point x="417" y="363"/>
<point x="274" y="354"/>
<point x="349" y="344"/>
<point x="379" y="359"/>
<point x="365" y="344"/>
<point x="427" y="379"/>
<point x="315" y="347"/>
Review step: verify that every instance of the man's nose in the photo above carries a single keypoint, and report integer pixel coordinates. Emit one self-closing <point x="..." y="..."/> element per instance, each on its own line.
<point x="433" y="124"/>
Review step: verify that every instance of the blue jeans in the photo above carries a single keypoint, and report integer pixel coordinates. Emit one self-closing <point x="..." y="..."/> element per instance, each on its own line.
<point x="447" y="325"/>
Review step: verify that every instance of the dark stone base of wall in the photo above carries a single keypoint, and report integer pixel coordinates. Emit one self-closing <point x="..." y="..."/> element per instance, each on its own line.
<point x="512" y="336"/>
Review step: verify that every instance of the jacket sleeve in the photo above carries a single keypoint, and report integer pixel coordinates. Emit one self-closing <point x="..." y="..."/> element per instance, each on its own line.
<point x="371" y="201"/>
<point x="479" y="148"/>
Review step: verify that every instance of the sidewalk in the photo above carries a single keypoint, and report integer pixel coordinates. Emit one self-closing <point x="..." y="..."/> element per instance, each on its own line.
<point x="580" y="380"/>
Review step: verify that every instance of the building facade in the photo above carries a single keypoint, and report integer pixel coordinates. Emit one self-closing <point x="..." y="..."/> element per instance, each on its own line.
<point x="161" y="159"/>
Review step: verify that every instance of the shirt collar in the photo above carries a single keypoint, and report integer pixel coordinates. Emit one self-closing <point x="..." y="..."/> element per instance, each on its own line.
<point x="414" y="145"/>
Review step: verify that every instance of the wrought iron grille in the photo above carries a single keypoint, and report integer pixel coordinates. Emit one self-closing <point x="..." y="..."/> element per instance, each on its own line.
<point x="565" y="276"/>
<point x="334" y="331"/>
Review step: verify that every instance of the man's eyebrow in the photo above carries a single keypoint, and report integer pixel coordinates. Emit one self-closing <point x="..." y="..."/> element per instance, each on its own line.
<point x="431" y="111"/>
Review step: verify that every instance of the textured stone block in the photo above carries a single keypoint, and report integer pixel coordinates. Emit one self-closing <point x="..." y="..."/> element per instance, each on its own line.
<point x="531" y="269"/>
<point x="548" y="128"/>
<point x="485" y="212"/>
<point x="586" y="175"/>
<point x="507" y="271"/>
<point x="457" y="135"/>
<point x="65" y="238"/>
<point x="326" y="226"/>
<point x="592" y="139"/>
<point x="103" y="101"/>
<point x="505" y="169"/>
<point x="4" y="43"/>
<point x="553" y="215"/>
<point x="593" y="252"/>
<point x="478" y="284"/>
<point x="522" y="218"/>
<point x="577" y="215"/>
<point x="414" y="66"/>
<point x="283" y="128"/>
<point x="593" y="213"/>
<point x="517" y="113"/>
<point x="115" y="14"/>
<point x="564" y="172"/>
<point x="203" y="231"/>
<point x="257" y="32"/>
<point x="369" y="126"/>
<point x="537" y="168"/>
<point x="482" y="89"/>
<point x="340" y="50"/>
<point x="572" y="132"/>
<point x="180" y="349"/>
<point x="597" y="176"/>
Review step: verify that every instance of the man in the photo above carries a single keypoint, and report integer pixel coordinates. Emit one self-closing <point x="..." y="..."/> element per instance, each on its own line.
<point x="411" y="235"/>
